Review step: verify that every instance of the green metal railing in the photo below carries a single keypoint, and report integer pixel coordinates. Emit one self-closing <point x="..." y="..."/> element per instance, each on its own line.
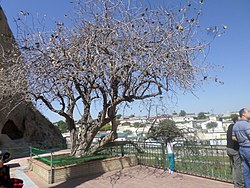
<point x="205" y="161"/>
<point x="153" y="155"/>
<point x="17" y="152"/>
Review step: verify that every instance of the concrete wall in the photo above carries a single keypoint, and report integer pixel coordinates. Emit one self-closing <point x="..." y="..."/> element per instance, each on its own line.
<point x="75" y="171"/>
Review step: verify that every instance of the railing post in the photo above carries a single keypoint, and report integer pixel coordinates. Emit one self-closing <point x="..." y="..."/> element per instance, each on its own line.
<point x="122" y="150"/>
<point x="163" y="148"/>
<point x="30" y="152"/>
<point x="51" y="167"/>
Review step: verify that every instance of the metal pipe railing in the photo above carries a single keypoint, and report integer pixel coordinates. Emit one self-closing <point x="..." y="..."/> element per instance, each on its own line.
<point x="201" y="160"/>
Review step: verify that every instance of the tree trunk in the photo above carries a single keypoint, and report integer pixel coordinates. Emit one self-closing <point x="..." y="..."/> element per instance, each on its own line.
<point x="84" y="139"/>
<point x="73" y="139"/>
<point x="73" y="134"/>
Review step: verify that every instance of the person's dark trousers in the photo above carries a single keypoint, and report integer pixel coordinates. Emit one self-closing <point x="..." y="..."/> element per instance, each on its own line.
<point x="235" y="160"/>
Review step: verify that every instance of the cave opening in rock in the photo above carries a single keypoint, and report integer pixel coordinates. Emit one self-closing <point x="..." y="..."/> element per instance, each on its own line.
<point x="12" y="130"/>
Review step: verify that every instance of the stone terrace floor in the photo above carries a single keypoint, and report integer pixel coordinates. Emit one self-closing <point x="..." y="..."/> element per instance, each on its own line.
<point x="134" y="177"/>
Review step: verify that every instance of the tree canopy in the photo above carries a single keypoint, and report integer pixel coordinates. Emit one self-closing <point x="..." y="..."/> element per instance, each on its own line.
<point x="182" y="113"/>
<point x="115" y="52"/>
<point x="118" y="116"/>
<point x="211" y="125"/>
<point x="165" y="130"/>
<point x="201" y="115"/>
<point x="106" y="128"/>
<point x="62" y="126"/>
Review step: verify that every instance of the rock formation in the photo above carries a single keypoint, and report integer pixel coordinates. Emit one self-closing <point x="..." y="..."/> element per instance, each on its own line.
<point x="22" y="124"/>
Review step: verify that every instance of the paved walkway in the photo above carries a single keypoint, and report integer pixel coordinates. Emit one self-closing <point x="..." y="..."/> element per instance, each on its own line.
<point x="134" y="177"/>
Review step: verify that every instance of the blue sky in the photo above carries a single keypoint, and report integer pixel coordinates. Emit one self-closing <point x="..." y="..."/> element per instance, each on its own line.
<point x="232" y="51"/>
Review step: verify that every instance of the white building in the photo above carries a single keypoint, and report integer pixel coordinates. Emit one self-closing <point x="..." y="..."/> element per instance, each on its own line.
<point x="182" y="118"/>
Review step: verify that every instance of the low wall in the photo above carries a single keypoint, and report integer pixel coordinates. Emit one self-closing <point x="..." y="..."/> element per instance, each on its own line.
<point x="74" y="171"/>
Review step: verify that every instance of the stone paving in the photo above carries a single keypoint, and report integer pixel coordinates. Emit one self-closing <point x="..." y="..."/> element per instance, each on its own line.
<point x="134" y="177"/>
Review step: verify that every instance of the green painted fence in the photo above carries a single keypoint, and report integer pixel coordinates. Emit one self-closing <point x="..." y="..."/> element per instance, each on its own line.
<point x="202" y="160"/>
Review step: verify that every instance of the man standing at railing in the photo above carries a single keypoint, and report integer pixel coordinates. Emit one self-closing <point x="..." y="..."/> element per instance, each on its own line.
<point x="241" y="133"/>
<point x="234" y="156"/>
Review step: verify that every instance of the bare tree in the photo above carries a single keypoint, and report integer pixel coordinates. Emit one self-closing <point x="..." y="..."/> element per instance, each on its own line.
<point x="13" y="85"/>
<point x="115" y="52"/>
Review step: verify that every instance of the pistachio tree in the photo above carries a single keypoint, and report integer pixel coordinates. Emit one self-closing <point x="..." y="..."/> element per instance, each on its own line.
<point x="13" y="85"/>
<point x="113" y="52"/>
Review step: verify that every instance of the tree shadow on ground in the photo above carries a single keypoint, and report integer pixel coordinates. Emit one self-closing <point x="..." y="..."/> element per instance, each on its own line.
<point x="76" y="181"/>
<point x="110" y="178"/>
